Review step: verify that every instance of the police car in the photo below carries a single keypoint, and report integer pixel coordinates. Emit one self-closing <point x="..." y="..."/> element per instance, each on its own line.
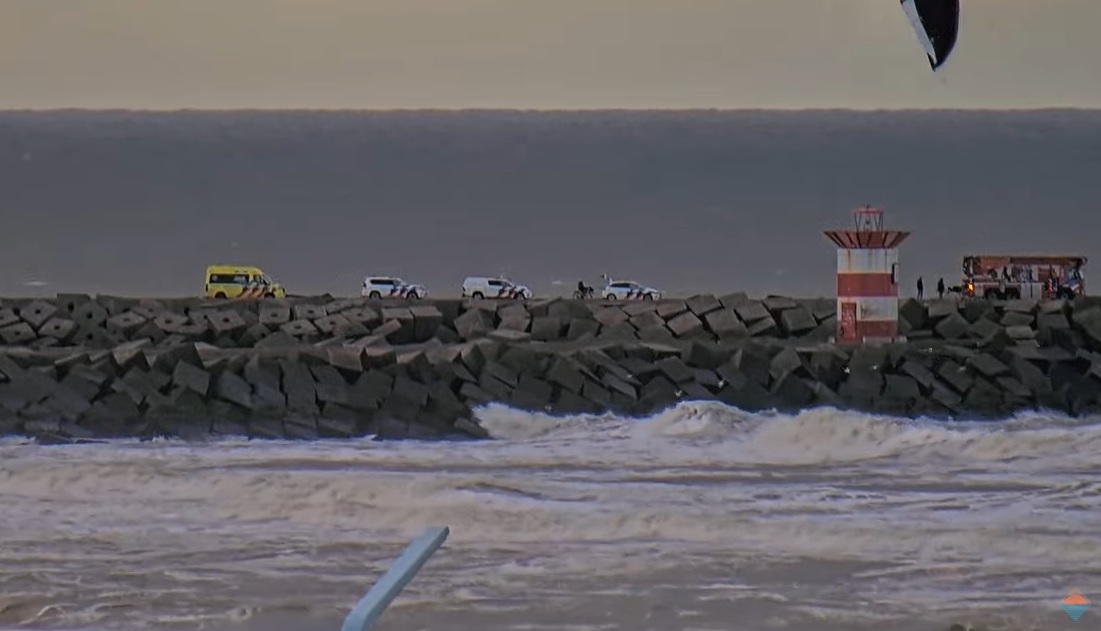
<point x="630" y="290"/>
<point x="376" y="287"/>
<point x="494" y="287"/>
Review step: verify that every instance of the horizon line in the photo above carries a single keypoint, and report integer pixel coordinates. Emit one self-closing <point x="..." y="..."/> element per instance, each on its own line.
<point x="179" y="110"/>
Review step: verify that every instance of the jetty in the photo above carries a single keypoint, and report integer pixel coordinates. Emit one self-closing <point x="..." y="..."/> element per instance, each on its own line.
<point x="80" y="367"/>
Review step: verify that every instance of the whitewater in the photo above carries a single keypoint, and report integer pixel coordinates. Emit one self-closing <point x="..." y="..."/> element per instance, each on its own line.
<point x="703" y="517"/>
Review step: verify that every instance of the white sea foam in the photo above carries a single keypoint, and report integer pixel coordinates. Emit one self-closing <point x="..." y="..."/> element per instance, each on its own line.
<point x="927" y="517"/>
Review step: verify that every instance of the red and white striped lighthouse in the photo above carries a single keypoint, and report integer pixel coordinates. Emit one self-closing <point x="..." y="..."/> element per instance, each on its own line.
<point x="867" y="278"/>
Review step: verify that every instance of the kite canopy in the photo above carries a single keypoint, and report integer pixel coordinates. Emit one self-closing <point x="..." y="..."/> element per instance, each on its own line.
<point x="937" y="24"/>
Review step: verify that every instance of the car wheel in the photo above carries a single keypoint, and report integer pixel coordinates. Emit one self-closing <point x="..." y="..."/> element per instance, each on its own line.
<point x="610" y="297"/>
<point x="374" y="295"/>
<point x="220" y="295"/>
<point x="412" y="295"/>
<point x="269" y="295"/>
<point x="648" y="297"/>
<point x="479" y="295"/>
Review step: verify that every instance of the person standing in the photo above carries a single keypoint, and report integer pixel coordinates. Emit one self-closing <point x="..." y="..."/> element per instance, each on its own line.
<point x="921" y="288"/>
<point x="940" y="288"/>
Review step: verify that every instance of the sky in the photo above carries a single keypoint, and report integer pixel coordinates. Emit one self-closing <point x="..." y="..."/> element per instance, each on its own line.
<point x="539" y="54"/>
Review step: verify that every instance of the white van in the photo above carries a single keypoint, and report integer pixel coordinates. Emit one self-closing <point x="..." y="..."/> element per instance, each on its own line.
<point x="494" y="287"/>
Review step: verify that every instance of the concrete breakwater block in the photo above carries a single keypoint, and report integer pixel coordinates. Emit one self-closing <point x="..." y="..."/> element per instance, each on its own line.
<point x="429" y="390"/>
<point x="103" y="322"/>
<point x="94" y="366"/>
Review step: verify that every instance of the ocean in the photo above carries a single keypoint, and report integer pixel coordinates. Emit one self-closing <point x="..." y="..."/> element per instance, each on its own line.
<point x="133" y="203"/>
<point x="701" y="518"/>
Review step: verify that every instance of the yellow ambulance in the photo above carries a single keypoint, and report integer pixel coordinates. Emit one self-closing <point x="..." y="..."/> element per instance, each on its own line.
<point x="241" y="281"/>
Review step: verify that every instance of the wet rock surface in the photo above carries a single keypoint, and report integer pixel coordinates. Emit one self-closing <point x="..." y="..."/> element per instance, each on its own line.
<point x="86" y="367"/>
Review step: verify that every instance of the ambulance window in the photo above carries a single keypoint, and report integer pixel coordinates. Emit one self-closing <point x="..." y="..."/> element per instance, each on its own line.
<point x="228" y="279"/>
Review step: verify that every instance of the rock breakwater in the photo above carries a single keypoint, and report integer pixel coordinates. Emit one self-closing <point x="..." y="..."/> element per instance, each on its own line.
<point x="79" y="367"/>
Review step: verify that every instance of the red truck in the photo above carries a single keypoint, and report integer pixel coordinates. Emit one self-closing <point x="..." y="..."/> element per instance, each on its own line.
<point x="1008" y="277"/>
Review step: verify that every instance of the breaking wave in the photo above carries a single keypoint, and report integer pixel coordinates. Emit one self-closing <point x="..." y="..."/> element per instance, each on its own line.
<point x="129" y="534"/>
<point x="816" y="436"/>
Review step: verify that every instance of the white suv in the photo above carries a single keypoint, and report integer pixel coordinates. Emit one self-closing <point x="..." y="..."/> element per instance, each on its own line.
<point x="494" y="287"/>
<point x="630" y="290"/>
<point x="376" y="287"/>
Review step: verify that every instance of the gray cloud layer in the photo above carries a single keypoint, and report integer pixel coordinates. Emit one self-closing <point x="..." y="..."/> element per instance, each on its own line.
<point x="538" y="54"/>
